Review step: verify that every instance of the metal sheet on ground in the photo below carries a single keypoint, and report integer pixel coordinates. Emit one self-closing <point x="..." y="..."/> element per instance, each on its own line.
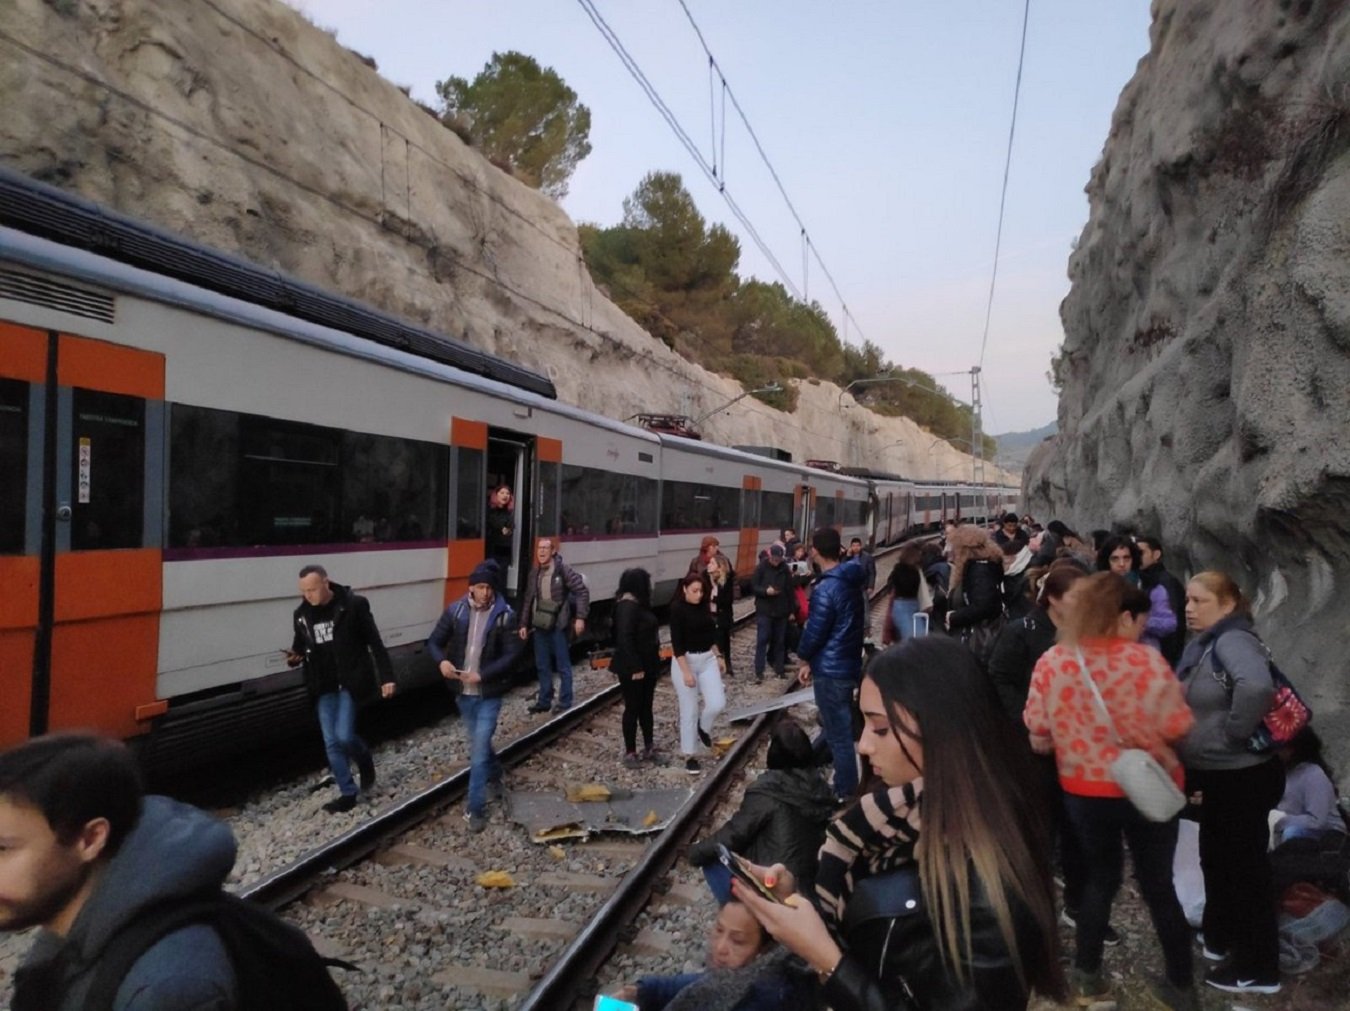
<point x="769" y="705"/>
<point x="550" y="816"/>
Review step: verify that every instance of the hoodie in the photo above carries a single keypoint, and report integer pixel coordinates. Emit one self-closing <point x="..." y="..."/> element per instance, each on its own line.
<point x="832" y="641"/>
<point x="173" y="851"/>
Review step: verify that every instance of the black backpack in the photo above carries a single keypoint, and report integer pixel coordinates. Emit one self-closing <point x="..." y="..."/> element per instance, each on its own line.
<point x="275" y="966"/>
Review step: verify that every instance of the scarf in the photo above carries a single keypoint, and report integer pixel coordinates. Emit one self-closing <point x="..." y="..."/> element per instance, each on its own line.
<point x="875" y="835"/>
<point x="724" y="989"/>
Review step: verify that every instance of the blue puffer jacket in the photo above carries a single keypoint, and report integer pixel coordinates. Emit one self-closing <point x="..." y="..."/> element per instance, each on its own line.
<point x="832" y="641"/>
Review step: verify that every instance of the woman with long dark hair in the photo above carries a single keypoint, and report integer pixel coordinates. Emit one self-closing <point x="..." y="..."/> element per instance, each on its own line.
<point x="637" y="660"/>
<point x="955" y="912"/>
<point x="1098" y="646"/>
<point x="696" y="669"/>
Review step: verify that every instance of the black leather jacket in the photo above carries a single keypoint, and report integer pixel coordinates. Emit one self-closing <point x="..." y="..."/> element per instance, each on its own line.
<point x="892" y="960"/>
<point x="781" y="820"/>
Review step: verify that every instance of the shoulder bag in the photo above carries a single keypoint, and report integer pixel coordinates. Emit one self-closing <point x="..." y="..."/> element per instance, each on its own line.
<point x="1147" y="784"/>
<point x="1288" y="713"/>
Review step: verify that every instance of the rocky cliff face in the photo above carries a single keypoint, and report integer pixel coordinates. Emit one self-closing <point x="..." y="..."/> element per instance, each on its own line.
<point x="1206" y="367"/>
<point x="240" y="124"/>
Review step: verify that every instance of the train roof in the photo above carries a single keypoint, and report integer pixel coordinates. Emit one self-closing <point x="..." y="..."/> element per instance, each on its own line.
<point x="701" y="448"/>
<point x="39" y="209"/>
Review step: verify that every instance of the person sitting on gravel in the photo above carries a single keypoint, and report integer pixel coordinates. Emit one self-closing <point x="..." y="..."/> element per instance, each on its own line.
<point x="746" y="972"/>
<point x="783" y="816"/>
<point x="474" y="645"/>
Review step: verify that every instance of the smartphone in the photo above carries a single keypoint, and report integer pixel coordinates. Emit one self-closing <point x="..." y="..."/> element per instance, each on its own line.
<point x="604" y="1002"/>
<point x="920" y="625"/>
<point x="740" y="869"/>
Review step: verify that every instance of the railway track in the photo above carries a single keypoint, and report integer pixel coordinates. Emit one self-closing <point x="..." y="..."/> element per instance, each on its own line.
<point x="381" y="887"/>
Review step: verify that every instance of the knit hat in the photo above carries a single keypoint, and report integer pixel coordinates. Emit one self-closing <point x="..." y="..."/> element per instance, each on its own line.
<point x="487" y="571"/>
<point x="776" y="549"/>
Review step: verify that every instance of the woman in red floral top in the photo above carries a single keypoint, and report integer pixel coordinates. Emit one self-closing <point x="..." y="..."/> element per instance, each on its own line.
<point x="1106" y="617"/>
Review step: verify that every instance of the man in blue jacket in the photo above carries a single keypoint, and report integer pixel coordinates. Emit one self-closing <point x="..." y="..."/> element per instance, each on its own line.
<point x="475" y="646"/>
<point x="831" y="650"/>
<point x="85" y="854"/>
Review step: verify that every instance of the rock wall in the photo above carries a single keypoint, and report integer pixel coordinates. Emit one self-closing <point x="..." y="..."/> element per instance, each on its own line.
<point x="240" y="124"/>
<point x="1206" y="369"/>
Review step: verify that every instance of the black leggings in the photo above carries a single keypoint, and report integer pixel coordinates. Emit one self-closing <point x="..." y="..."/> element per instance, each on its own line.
<point x="637" y="707"/>
<point x="1239" y="887"/>
<point x="724" y="638"/>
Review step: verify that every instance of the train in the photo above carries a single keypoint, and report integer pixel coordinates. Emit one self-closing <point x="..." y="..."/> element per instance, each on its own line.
<point x="181" y="430"/>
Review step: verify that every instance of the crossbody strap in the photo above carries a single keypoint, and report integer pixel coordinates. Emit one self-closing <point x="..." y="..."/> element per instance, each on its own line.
<point x="1096" y="694"/>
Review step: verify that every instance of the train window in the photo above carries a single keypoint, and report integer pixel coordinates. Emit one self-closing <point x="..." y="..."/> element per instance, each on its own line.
<point x="470" y="493"/>
<point x="597" y="502"/>
<point x="240" y="480"/>
<point x="108" y="471"/>
<point x="850" y="512"/>
<point x="750" y="508"/>
<point x="687" y="505"/>
<point x="13" y="464"/>
<point x="775" y="510"/>
<point x="825" y="511"/>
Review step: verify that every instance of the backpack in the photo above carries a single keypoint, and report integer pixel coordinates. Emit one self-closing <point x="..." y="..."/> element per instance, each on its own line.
<point x="275" y="966"/>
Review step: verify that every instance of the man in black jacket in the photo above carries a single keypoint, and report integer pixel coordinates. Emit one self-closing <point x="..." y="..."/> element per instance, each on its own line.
<point x="337" y="641"/>
<point x="1151" y="574"/>
<point x="773" y="603"/>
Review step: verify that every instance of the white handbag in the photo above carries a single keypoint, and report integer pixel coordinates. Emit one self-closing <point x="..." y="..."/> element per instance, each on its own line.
<point x="1150" y="789"/>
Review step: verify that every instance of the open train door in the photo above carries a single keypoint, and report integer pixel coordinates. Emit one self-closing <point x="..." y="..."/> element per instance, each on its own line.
<point x="804" y="510"/>
<point x="81" y="532"/>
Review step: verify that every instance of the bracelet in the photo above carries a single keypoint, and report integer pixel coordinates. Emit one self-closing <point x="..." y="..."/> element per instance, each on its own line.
<point x="824" y="977"/>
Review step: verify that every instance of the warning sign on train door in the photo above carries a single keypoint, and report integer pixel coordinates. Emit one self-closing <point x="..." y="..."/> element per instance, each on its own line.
<point x="86" y="454"/>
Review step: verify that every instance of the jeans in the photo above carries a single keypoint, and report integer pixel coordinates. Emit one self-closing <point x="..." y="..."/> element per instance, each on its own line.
<point x="770" y="638"/>
<point x="834" y="701"/>
<point x="1099" y="823"/>
<point x="480" y="723"/>
<point x="337" y="722"/>
<point x="708" y="683"/>
<point x="1239" y="885"/>
<point x="550" y="656"/>
<point x="903" y="610"/>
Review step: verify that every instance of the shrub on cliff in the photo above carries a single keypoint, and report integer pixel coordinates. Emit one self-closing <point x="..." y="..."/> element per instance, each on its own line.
<point x="522" y="115"/>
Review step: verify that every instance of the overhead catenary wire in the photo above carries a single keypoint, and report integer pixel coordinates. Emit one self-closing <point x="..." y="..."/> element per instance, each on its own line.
<point x="1007" y="166"/>
<point x="764" y="156"/>
<point x="635" y="71"/>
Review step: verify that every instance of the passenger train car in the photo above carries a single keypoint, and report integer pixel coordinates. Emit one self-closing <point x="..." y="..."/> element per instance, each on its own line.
<point x="180" y="431"/>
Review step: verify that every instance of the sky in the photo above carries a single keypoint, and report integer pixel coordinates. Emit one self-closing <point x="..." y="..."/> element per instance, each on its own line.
<point x="886" y="120"/>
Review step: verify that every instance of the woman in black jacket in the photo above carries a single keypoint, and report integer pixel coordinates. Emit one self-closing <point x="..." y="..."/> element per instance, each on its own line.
<point x="637" y="660"/>
<point x="722" y="586"/>
<point x="976" y="592"/>
<point x="783" y="816"/>
<point x="956" y="914"/>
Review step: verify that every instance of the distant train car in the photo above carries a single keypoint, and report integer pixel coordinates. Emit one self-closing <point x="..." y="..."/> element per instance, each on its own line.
<point x="180" y="431"/>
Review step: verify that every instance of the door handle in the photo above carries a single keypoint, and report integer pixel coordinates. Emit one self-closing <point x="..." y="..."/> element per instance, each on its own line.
<point x="64" y="512"/>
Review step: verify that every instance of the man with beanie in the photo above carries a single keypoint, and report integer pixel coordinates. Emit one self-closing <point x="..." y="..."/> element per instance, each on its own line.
<point x="337" y="641"/>
<point x="475" y="647"/>
<point x="772" y="586"/>
<point x="831" y="651"/>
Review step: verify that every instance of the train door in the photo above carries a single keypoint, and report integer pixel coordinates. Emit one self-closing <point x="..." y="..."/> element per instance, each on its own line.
<point x="81" y="532"/>
<point x="804" y="510"/>
<point x="507" y="533"/>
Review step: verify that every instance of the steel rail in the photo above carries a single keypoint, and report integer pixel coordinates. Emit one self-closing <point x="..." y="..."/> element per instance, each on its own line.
<point x="289" y="883"/>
